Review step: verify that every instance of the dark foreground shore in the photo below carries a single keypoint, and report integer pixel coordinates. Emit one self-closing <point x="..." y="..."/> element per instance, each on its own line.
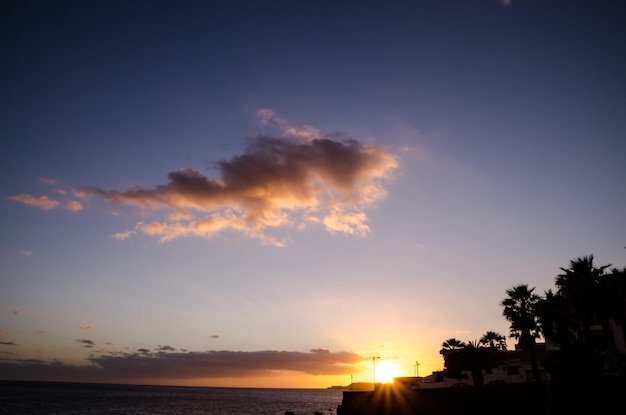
<point x="571" y="397"/>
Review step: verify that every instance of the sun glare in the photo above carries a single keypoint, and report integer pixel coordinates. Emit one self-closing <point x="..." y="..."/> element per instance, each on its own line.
<point x="386" y="371"/>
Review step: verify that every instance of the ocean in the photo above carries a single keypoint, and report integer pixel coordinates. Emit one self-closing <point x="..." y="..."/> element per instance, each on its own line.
<point x="48" y="398"/>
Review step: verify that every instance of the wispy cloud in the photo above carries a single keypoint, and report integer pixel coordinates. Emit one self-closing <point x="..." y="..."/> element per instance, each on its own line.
<point x="123" y="235"/>
<point x="87" y="327"/>
<point x="45" y="202"/>
<point x="86" y="342"/>
<point x="269" y="118"/>
<point x="287" y="176"/>
<point x="8" y="343"/>
<point x="49" y="181"/>
<point x="4" y="333"/>
<point x="41" y="202"/>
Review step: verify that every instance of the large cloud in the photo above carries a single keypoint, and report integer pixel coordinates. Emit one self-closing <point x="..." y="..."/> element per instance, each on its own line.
<point x="147" y="365"/>
<point x="217" y="364"/>
<point x="290" y="178"/>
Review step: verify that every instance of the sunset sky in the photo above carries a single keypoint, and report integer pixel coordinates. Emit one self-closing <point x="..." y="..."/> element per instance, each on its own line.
<point x="273" y="193"/>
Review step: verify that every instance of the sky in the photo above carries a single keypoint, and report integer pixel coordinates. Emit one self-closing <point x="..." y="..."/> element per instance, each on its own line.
<point x="295" y="193"/>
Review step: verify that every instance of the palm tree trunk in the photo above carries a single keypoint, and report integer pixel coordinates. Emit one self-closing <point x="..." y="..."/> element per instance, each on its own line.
<point x="530" y="344"/>
<point x="477" y="377"/>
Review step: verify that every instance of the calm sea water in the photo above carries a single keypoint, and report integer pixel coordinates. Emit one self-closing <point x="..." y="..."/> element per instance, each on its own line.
<point x="46" y="398"/>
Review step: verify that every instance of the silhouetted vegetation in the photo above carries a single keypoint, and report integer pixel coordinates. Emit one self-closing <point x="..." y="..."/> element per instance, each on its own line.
<point x="520" y="309"/>
<point x="585" y="319"/>
<point x="582" y="322"/>
<point x="474" y="355"/>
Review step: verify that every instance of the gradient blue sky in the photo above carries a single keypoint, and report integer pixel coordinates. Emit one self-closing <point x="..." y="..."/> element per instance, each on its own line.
<point x="488" y="150"/>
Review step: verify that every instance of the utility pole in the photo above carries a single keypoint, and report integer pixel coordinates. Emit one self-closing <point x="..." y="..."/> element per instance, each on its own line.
<point x="417" y="369"/>
<point x="374" y="366"/>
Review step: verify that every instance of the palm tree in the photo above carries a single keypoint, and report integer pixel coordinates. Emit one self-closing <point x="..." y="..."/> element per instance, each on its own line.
<point x="520" y="311"/>
<point x="451" y="344"/>
<point x="477" y="358"/>
<point x="556" y="321"/>
<point x="615" y="286"/>
<point x="581" y="284"/>
<point x="473" y="355"/>
<point x="493" y="340"/>
<point x="592" y="296"/>
<point x="558" y="326"/>
<point x="453" y="361"/>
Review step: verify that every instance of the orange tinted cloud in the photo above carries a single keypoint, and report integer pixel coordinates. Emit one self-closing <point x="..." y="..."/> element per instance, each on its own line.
<point x="225" y="363"/>
<point x="42" y="202"/>
<point x="87" y="327"/>
<point x="146" y="365"/>
<point x="300" y="176"/>
<point x="74" y="205"/>
<point x="123" y="235"/>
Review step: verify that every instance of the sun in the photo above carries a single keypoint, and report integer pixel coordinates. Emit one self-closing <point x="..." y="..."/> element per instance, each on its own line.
<point x="386" y="371"/>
